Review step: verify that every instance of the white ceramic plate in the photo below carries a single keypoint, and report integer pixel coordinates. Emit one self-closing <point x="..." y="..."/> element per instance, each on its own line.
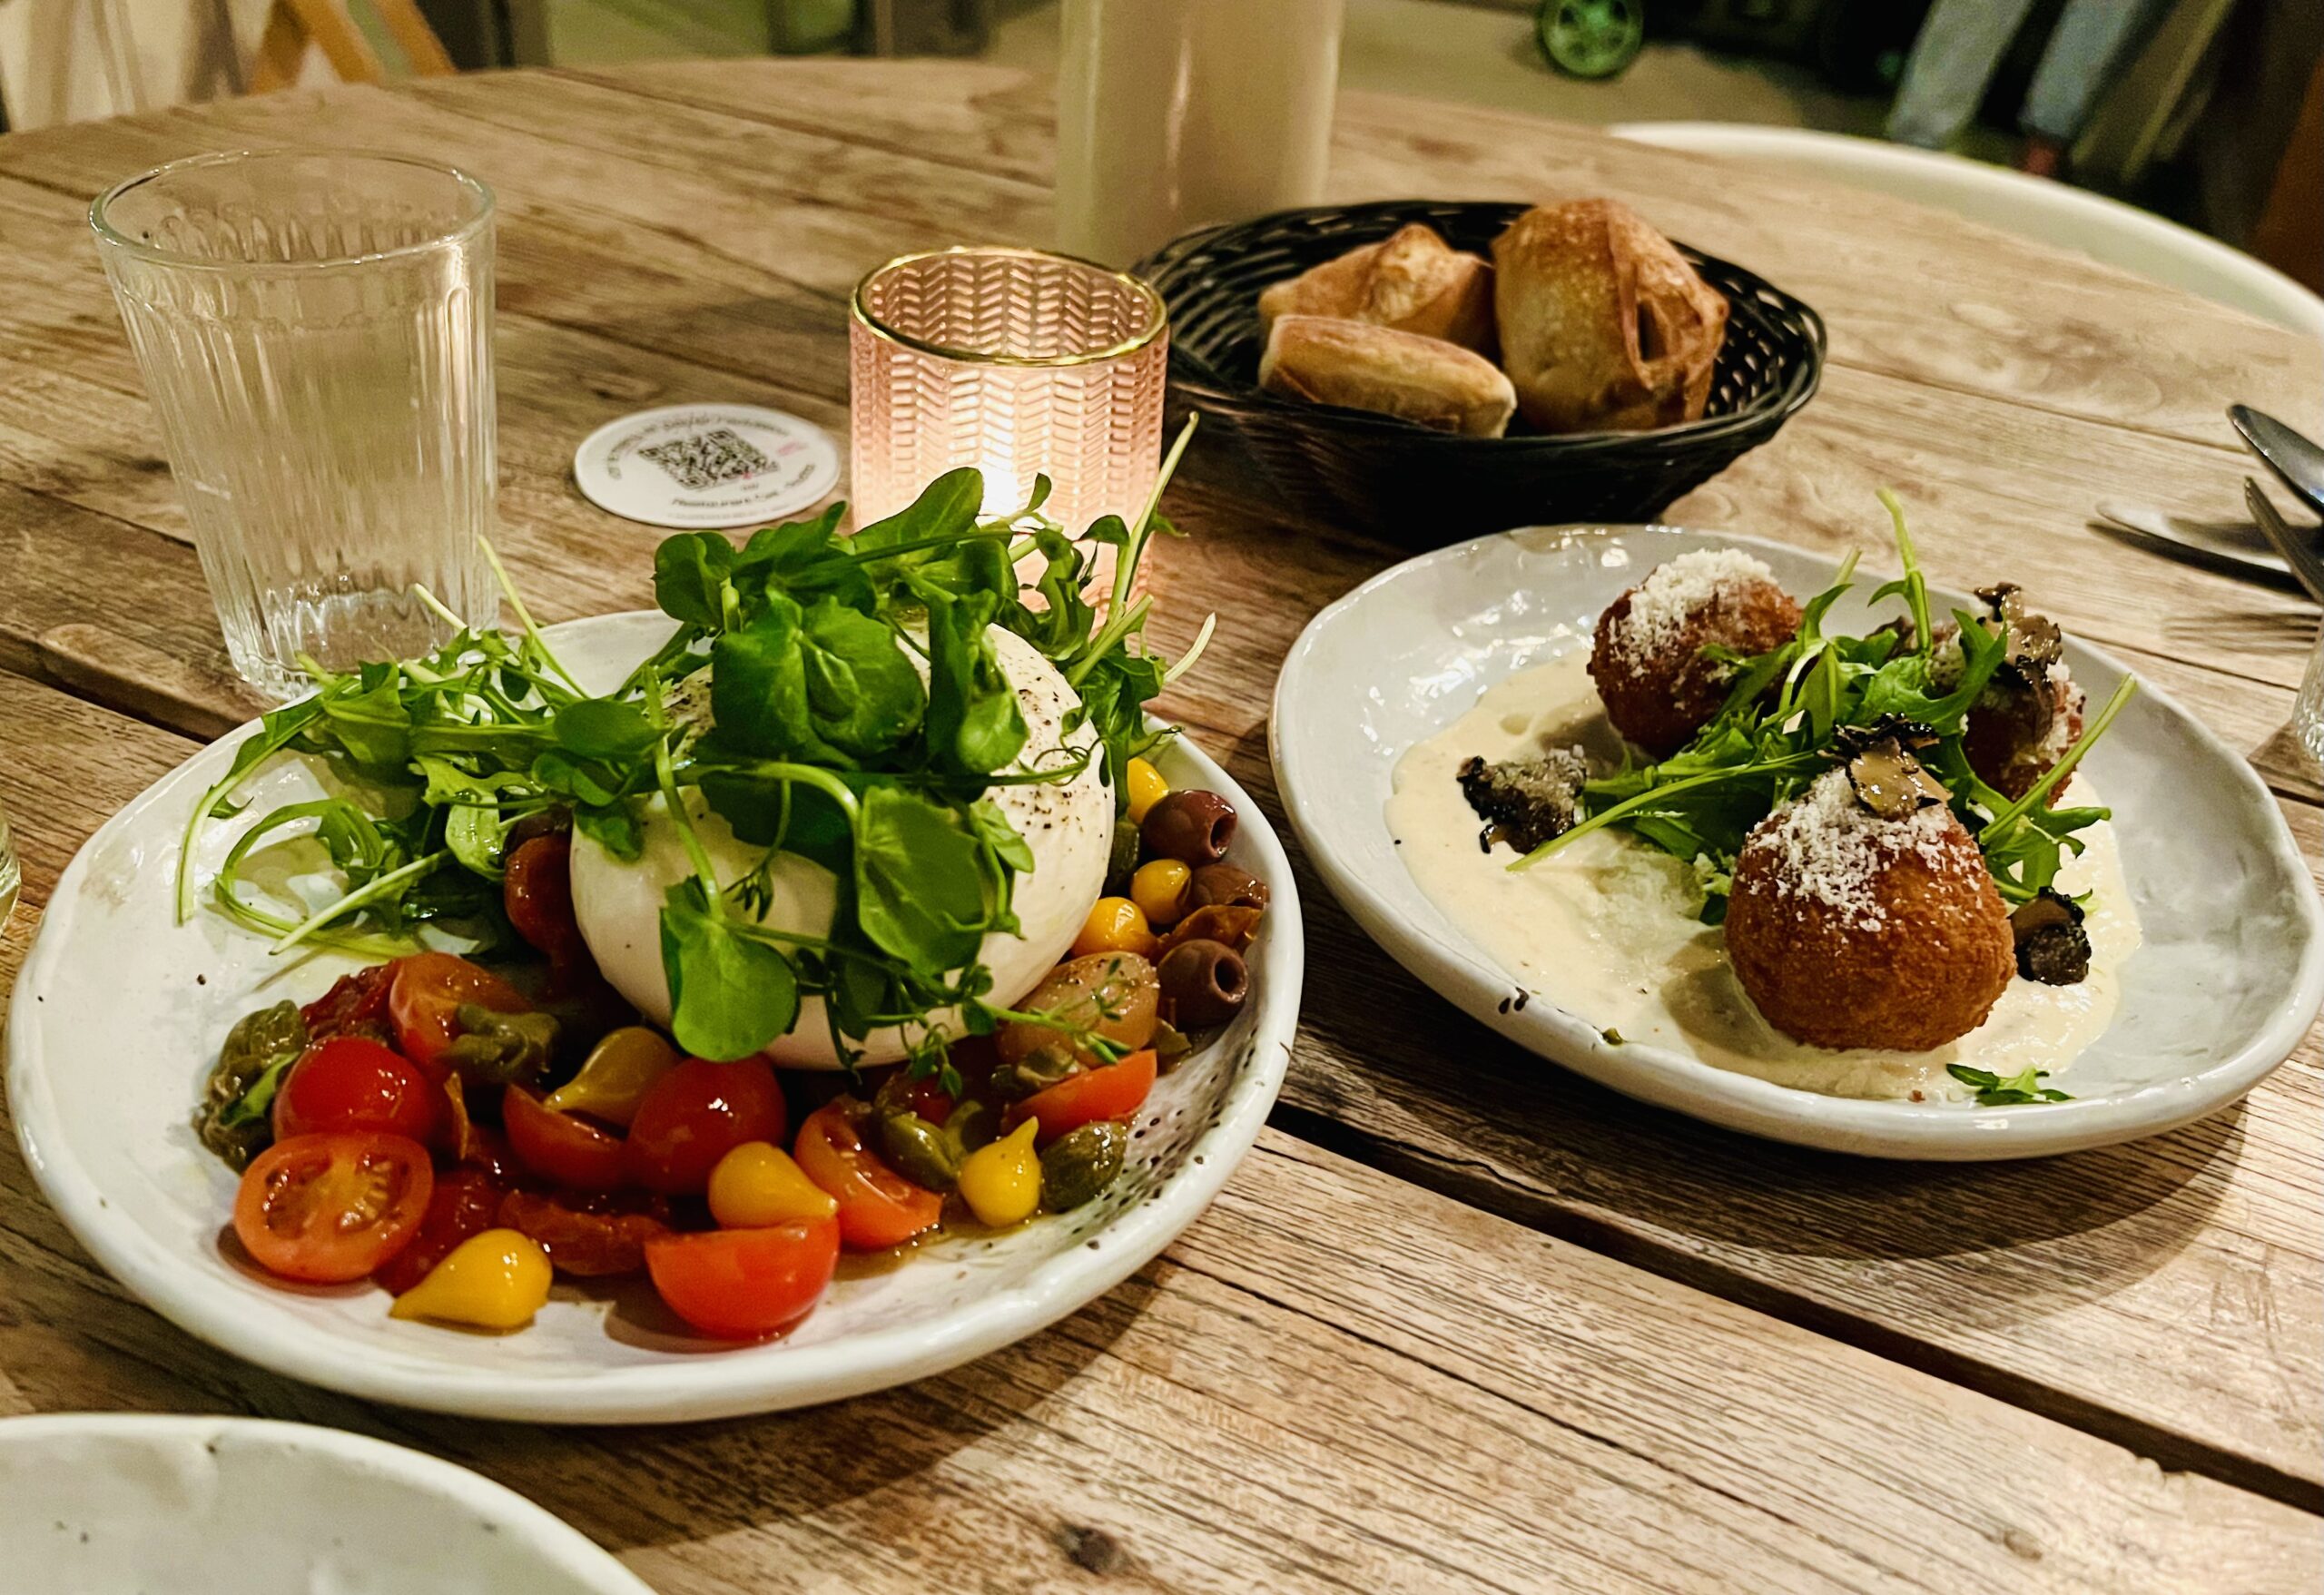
<point x="105" y="1504"/>
<point x="119" y="1013"/>
<point x="2228" y="981"/>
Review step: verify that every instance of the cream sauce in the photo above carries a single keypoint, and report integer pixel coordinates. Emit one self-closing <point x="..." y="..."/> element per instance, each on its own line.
<point x="1607" y="928"/>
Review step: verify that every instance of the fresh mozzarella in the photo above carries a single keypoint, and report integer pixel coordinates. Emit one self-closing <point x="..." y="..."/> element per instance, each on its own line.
<point x="1069" y="827"/>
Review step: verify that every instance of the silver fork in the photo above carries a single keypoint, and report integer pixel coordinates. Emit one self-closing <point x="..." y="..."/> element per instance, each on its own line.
<point x="2298" y="553"/>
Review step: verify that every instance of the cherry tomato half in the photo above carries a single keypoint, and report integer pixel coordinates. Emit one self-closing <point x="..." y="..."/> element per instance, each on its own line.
<point x="746" y="1284"/>
<point x="356" y="1005"/>
<point x="466" y="1202"/>
<point x="425" y="1002"/>
<point x="561" y="1147"/>
<point x="328" y="1209"/>
<point x="354" y="1083"/>
<point x="696" y="1114"/>
<point x="589" y="1234"/>
<point x="1115" y="1091"/>
<point x="877" y="1207"/>
<point x="538" y="892"/>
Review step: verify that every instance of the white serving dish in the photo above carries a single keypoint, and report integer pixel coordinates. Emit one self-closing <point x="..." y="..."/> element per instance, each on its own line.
<point x="101" y="1503"/>
<point x="117" y="1019"/>
<point x="2229" y="980"/>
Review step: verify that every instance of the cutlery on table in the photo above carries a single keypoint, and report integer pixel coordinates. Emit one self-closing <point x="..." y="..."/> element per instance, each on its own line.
<point x="2235" y="548"/>
<point x="2292" y="457"/>
<point x="2298" y="553"/>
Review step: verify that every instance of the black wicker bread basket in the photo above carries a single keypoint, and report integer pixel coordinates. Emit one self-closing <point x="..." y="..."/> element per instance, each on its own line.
<point x="1411" y="485"/>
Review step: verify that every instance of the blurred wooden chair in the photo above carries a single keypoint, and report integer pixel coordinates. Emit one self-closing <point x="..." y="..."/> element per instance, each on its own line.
<point x="292" y="25"/>
<point x="72" y="60"/>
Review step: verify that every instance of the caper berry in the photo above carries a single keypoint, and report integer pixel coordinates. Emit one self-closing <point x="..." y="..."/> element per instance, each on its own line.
<point x="1082" y="1163"/>
<point x="1227" y="885"/>
<point x="919" y="1151"/>
<point x="1202" y="983"/>
<point x="1122" y="862"/>
<point x="1192" y="826"/>
<point x="1013" y="1080"/>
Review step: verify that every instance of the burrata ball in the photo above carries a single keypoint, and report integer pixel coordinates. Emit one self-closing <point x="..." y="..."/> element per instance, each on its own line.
<point x="1069" y="826"/>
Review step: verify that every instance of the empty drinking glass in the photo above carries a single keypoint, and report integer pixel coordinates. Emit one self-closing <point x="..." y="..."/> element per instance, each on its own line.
<point x="2308" y="711"/>
<point x="315" y="330"/>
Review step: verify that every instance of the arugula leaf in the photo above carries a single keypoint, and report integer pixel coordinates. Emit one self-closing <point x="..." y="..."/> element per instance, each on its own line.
<point x="604" y="729"/>
<point x="374" y="725"/>
<point x="1993" y="1091"/>
<point x="946" y="509"/>
<point x="730" y="994"/>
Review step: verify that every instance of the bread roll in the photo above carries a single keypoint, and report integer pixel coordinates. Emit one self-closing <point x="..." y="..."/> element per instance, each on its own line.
<point x="1604" y="326"/>
<point x="1411" y="281"/>
<point x="1327" y="361"/>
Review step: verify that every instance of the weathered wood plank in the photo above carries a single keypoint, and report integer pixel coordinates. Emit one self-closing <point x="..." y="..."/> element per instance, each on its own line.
<point x="1334" y="1382"/>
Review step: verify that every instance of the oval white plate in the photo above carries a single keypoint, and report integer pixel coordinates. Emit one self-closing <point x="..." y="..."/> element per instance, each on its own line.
<point x="119" y="1013"/>
<point x="2228" y="981"/>
<point x="240" y="1506"/>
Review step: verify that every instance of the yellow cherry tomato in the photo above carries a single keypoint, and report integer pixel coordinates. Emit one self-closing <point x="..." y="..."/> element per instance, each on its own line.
<point x="496" y="1280"/>
<point x="1145" y="788"/>
<point x="757" y="1185"/>
<point x="1114" y="925"/>
<point x="616" y="1075"/>
<point x="1160" y="891"/>
<point x="1001" y="1181"/>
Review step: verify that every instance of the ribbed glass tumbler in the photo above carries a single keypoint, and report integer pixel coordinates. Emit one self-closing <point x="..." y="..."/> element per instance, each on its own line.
<point x="1014" y="361"/>
<point x="315" y="331"/>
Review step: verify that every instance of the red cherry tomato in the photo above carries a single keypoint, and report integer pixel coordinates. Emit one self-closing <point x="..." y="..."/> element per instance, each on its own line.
<point x="353" y="1083"/>
<point x="589" y="1234"/>
<point x="877" y="1207"/>
<point x="746" y="1284"/>
<point x="537" y="891"/>
<point x="466" y="1201"/>
<point x="425" y="998"/>
<point x="1114" y="1092"/>
<point x="561" y="1147"/>
<point x="328" y="1209"/>
<point x="696" y="1114"/>
<point x="356" y="1005"/>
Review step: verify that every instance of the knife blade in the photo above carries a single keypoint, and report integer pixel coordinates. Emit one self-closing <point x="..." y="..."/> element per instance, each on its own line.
<point x="2297" y="461"/>
<point x="2234" y="549"/>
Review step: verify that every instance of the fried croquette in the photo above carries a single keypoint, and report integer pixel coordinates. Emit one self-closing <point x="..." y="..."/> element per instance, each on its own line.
<point x="1851" y="930"/>
<point x="1648" y="659"/>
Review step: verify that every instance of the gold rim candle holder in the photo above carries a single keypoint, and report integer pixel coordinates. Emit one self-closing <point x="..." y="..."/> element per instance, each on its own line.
<point x="1016" y="361"/>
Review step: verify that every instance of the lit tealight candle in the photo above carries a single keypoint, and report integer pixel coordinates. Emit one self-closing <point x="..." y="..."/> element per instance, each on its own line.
<point x="1015" y="361"/>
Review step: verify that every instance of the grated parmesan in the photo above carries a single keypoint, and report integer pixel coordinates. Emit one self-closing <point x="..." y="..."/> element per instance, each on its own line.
<point x="1673" y="593"/>
<point x="1830" y="849"/>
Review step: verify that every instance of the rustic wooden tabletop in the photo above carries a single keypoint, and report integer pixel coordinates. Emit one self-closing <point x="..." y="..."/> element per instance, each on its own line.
<point x="1463" y="1321"/>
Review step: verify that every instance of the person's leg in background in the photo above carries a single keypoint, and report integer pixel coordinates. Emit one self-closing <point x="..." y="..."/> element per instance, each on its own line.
<point x="1954" y="58"/>
<point x="2093" y="39"/>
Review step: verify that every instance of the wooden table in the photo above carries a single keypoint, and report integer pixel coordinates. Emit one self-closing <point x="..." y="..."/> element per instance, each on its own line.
<point x="1462" y="1322"/>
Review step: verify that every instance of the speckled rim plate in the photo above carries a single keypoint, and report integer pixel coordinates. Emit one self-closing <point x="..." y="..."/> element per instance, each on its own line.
<point x="2229" y="981"/>
<point x="118" y="1015"/>
<point x="123" y="1500"/>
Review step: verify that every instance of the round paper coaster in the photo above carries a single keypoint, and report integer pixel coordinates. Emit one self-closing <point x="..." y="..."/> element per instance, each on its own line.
<point x="706" y="465"/>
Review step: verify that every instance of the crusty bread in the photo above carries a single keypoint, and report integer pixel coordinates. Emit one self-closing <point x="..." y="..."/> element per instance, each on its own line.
<point x="1604" y="326"/>
<point x="1327" y="361"/>
<point x="1413" y="281"/>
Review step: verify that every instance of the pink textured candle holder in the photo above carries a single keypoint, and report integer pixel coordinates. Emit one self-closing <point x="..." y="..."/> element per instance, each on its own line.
<point x="1015" y="361"/>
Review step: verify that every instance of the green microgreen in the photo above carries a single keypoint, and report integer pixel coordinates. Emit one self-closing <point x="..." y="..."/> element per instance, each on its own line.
<point x="2017" y="1089"/>
<point x="821" y="739"/>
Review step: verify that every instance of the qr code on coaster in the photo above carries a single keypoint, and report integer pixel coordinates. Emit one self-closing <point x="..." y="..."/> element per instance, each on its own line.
<point x="704" y="459"/>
